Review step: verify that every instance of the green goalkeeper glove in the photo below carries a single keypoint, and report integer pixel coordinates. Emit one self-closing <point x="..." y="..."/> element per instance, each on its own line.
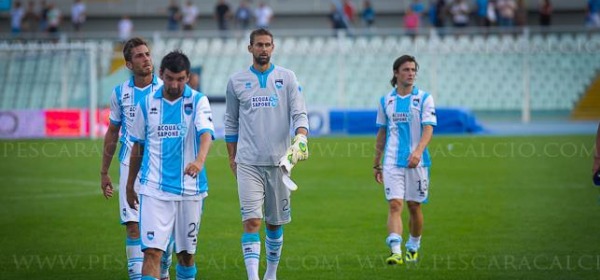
<point x="298" y="151"/>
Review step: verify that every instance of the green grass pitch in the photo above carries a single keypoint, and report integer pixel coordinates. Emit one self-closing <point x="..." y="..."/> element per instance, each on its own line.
<point x="500" y="208"/>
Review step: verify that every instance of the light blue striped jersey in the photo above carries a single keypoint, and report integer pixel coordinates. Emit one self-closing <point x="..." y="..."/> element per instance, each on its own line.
<point x="123" y="100"/>
<point x="261" y="109"/>
<point x="170" y="133"/>
<point x="404" y="118"/>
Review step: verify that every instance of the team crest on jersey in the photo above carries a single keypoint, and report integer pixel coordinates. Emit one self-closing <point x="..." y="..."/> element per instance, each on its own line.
<point x="188" y="108"/>
<point x="279" y="83"/>
<point x="415" y="102"/>
<point x="150" y="235"/>
<point x="171" y="130"/>
<point x="248" y="85"/>
<point x="265" y="101"/>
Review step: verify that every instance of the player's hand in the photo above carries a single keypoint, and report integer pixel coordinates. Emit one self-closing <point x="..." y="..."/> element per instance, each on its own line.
<point x="106" y="185"/>
<point x="378" y="174"/>
<point x="132" y="197"/>
<point x="193" y="169"/>
<point x="414" y="159"/>
<point x="233" y="166"/>
<point x="298" y="151"/>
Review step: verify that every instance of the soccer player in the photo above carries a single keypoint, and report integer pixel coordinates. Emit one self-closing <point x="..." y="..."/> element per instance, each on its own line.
<point x="173" y="130"/>
<point x="406" y="117"/>
<point x="122" y="111"/>
<point x="261" y="103"/>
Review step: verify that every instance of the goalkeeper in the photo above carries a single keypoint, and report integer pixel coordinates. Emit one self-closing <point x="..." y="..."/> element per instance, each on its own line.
<point x="262" y="102"/>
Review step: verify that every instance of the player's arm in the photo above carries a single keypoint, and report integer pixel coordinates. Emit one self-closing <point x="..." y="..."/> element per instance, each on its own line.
<point x="381" y="123"/>
<point x="135" y="162"/>
<point x="195" y="167"/>
<point x="137" y="136"/>
<point x="110" y="145"/>
<point x="379" y="146"/>
<point x="298" y="112"/>
<point x="299" y="116"/>
<point x="232" y="111"/>
<point x="415" y="157"/>
<point x="205" y="128"/>
<point x="231" y="152"/>
<point x="428" y="121"/>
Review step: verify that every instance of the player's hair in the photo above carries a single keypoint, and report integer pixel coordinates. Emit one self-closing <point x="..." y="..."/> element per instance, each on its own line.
<point x="130" y="45"/>
<point x="260" y="32"/>
<point x="399" y="61"/>
<point x="176" y="61"/>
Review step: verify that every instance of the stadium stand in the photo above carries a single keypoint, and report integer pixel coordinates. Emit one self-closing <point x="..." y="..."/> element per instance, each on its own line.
<point x="479" y="72"/>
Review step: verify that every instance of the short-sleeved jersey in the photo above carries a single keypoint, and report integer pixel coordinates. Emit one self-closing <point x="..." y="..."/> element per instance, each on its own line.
<point x="261" y="108"/>
<point x="123" y="101"/>
<point x="404" y="118"/>
<point x="170" y="133"/>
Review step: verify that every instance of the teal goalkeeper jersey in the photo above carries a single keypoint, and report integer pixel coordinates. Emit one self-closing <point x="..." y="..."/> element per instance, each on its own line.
<point x="262" y="109"/>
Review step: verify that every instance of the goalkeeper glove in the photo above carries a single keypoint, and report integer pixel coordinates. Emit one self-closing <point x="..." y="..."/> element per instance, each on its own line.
<point x="298" y="150"/>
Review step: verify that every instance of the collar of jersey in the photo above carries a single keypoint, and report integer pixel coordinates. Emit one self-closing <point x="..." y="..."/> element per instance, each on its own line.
<point x="187" y="92"/>
<point x="262" y="76"/>
<point x="255" y="71"/>
<point x="415" y="91"/>
<point x="132" y="83"/>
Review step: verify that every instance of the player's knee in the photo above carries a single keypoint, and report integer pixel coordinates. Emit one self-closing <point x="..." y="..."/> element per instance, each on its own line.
<point x="273" y="227"/>
<point x="185" y="259"/>
<point x="252" y="225"/>
<point x="153" y="255"/>
<point x="395" y="205"/>
<point x="414" y="207"/>
<point x="133" y="230"/>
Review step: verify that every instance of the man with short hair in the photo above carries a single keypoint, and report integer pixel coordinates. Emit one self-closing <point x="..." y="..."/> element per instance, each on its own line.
<point x="123" y="100"/>
<point x="173" y="130"/>
<point x="405" y="117"/>
<point x="261" y="103"/>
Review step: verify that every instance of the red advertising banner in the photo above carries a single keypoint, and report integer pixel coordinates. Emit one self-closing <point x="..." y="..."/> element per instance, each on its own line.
<point x="65" y="123"/>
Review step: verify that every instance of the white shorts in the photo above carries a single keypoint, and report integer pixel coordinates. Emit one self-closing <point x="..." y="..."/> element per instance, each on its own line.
<point x="126" y="213"/>
<point x="160" y="218"/>
<point x="409" y="184"/>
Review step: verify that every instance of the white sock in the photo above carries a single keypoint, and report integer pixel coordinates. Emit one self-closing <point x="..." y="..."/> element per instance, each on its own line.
<point x="273" y="244"/>
<point x="251" y="251"/>
<point x="413" y="243"/>
<point x="394" y="241"/>
<point x="167" y="259"/>
<point x="135" y="258"/>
